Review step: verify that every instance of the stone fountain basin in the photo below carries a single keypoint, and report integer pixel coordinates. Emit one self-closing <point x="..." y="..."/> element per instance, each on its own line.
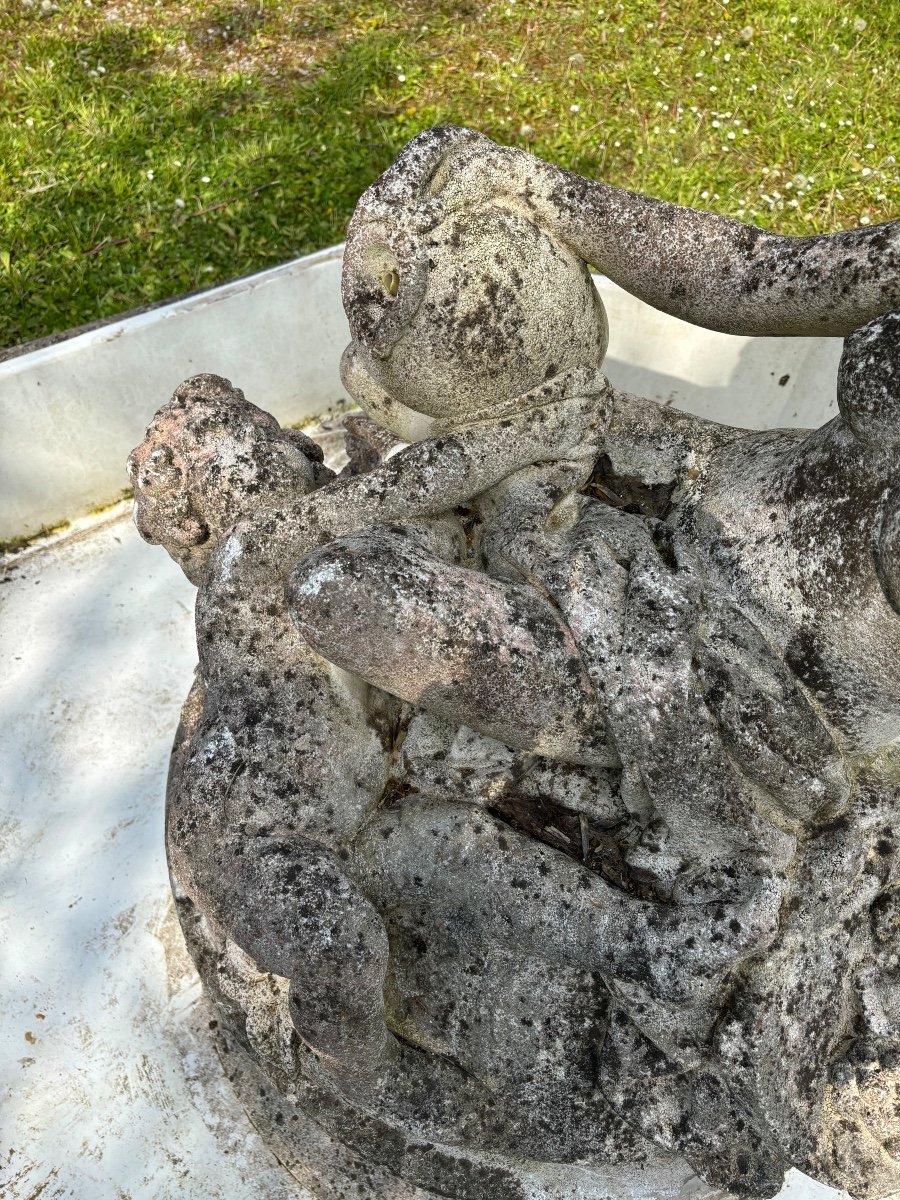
<point x="109" y="1084"/>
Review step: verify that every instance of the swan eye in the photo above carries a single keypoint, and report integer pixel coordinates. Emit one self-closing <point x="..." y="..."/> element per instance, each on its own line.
<point x="161" y="457"/>
<point x="390" y="281"/>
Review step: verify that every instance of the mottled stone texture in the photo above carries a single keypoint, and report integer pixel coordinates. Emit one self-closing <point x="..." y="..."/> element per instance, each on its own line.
<point x="532" y="816"/>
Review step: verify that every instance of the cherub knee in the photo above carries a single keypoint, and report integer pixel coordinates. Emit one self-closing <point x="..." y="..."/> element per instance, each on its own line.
<point x="869" y="382"/>
<point x="292" y="909"/>
<point x="350" y="598"/>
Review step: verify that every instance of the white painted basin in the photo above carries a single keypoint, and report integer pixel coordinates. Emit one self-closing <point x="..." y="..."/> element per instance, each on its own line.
<point x="109" y="1087"/>
<point x="70" y="412"/>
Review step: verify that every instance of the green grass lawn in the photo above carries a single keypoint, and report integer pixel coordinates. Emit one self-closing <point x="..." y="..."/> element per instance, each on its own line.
<point x="151" y="147"/>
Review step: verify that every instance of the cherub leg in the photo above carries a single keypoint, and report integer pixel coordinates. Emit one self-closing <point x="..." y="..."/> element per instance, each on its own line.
<point x="465" y="859"/>
<point x="290" y="906"/>
<point x="869" y="400"/>
<point x="768" y="727"/>
<point x="869" y="383"/>
<point x="492" y="655"/>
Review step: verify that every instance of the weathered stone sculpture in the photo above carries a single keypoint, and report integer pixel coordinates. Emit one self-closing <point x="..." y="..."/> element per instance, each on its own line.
<point x="532" y="817"/>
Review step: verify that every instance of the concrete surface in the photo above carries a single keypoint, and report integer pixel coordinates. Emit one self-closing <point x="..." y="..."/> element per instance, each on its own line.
<point x="109" y="1084"/>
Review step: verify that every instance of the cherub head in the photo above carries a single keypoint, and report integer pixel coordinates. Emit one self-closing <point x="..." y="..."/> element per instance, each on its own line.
<point x="456" y="307"/>
<point x="208" y="458"/>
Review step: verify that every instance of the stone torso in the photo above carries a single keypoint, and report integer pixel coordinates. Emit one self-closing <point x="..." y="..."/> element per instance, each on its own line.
<point x="789" y="523"/>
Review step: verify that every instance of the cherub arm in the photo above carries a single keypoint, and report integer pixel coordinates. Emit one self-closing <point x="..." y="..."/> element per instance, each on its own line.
<point x="659" y="444"/>
<point x="562" y="419"/>
<point x="492" y="655"/>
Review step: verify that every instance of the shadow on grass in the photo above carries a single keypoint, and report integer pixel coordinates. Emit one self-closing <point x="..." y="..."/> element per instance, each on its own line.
<point x="287" y="160"/>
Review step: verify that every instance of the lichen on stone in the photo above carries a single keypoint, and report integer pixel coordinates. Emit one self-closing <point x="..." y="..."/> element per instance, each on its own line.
<point x="532" y="816"/>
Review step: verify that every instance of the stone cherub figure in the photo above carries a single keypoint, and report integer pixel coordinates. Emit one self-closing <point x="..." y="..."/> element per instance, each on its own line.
<point x="552" y="760"/>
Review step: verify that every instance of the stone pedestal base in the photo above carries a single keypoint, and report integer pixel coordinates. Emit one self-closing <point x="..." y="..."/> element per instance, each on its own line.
<point x="331" y="1170"/>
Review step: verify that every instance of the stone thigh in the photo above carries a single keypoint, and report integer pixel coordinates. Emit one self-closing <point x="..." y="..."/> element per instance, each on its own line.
<point x="492" y="655"/>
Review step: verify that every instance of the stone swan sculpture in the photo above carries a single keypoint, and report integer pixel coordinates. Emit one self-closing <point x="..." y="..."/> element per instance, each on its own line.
<point x="531" y="819"/>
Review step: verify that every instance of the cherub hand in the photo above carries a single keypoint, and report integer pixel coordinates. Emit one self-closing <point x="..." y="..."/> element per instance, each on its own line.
<point x="266" y="544"/>
<point x="473" y="170"/>
<point x="451" y="168"/>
